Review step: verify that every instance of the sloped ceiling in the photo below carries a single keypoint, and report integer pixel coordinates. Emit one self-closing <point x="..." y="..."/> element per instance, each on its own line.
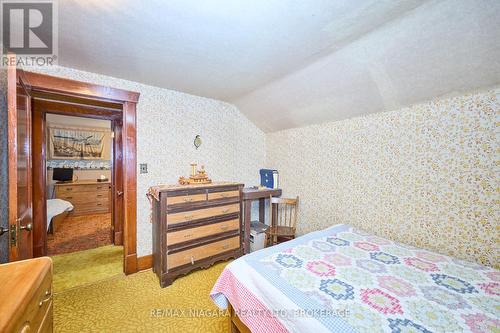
<point x="288" y="63"/>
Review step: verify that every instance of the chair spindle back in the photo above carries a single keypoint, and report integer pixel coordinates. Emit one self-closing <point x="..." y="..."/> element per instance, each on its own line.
<point x="285" y="211"/>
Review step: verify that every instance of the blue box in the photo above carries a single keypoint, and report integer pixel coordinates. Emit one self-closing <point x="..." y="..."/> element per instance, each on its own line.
<point x="269" y="178"/>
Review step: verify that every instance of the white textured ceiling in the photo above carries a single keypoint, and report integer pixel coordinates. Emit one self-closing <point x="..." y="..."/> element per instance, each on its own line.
<point x="288" y="63"/>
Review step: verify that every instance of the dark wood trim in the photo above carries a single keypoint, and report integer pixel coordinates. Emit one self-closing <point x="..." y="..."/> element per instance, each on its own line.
<point x="77" y="100"/>
<point x="117" y="188"/>
<point x="56" y="87"/>
<point x="242" y="226"/>
<point x="39" y="110"/>
<point x="144" y="262"/>
<point x="83" y="110"/>
<point x="251" y="194"/>
<point x="52" y="84"/>
<point x="130" y="186"/>
<point x="247" y="217"/>
<point x="39" y="184"/>
<point x="130" y="264"/>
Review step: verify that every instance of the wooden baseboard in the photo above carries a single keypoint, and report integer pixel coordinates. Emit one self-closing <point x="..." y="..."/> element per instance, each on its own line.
<point x="144" y="262"/>
<point x="130" y="264"/>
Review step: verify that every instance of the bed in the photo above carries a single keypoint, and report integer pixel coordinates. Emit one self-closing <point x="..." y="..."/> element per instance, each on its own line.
<point x="57" y="210"/>
<point x="345" y="280"/>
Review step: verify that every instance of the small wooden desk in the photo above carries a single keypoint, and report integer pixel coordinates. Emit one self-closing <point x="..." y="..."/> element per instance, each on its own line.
<point x="250" y="194"/>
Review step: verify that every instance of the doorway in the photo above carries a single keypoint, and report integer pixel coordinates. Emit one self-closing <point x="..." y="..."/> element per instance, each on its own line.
<point x="47" y="95"/>
<point x="79" y="183"/>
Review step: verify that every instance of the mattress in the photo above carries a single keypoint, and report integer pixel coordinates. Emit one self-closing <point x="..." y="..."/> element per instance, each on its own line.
<point x="345" y="280"/>
<point x="56" y="207"/>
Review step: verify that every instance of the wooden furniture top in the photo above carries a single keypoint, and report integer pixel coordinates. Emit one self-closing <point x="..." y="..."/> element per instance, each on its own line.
<point x="154" y="191"/>
<point x="19" y="282"/>
<point x="250" y="193"/>
<point x="82" y="182"/>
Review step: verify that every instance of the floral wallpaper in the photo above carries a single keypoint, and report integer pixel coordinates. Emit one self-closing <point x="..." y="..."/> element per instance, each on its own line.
<point x="426" y="175"/>
<point x="233" y="148"/>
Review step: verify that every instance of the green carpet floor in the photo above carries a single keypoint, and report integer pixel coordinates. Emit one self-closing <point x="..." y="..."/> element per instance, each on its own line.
<point x="136" y="303"/>
<point x="79" y="268"/>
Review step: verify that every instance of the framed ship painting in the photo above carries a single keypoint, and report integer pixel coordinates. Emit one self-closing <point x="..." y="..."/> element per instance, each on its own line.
<point x="72" y="143"/>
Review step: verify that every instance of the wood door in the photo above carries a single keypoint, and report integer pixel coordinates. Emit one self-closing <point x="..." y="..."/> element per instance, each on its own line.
<point x="20" y="201"/>
<point x="117" y="183"/>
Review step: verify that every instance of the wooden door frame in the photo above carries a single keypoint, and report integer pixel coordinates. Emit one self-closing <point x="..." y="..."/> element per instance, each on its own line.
<point x="96" y="101"/>
<point x="39" y="110"/>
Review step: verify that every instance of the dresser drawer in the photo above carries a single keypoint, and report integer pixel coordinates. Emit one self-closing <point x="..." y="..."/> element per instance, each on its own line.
<point x="185" y="199"/>
<point x="177" y="237"/>
<point x="102" y="206"/>
<point x="38" y="307"/>
<point x="193" y="255"/>
<point x="89" y="201"/>
<point x="82" y="188"/>
<point x="223" y="195"/>
<point x="202" y="213"/>
<point x="94" y="204"/>
<point x="79" y="198"/>
<point x="48" y="321"/>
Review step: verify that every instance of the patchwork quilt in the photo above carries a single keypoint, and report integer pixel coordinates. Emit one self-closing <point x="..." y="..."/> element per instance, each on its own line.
<point x="345" y="280"/>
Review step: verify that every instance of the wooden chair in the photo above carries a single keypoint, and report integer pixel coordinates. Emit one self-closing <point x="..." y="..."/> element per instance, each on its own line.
<point x="283" y="216"/>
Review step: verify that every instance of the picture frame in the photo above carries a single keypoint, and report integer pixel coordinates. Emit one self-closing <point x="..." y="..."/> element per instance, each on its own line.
<point x="79" y="143"/>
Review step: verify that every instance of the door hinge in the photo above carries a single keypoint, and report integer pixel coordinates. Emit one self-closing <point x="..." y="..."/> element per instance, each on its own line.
<point x="13" y="235"/>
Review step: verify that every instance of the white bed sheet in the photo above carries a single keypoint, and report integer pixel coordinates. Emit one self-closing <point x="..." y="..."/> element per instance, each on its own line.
<point x="56" y="207"/>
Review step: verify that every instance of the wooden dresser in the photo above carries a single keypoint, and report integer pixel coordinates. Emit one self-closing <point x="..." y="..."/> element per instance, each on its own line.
<point x="194" y="226"/>
<point x="87" y="196"/>
<point x="26" y="296"/>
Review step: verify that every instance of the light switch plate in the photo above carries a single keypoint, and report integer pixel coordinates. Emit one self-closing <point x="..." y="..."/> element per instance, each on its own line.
<point x="143" y="168"/>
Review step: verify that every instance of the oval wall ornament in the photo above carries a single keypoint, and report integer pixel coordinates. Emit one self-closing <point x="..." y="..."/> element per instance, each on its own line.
<point x="197" y="141"/>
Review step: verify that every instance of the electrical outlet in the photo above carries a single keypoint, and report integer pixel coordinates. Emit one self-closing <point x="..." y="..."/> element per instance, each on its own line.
<point x="143" y="168"/>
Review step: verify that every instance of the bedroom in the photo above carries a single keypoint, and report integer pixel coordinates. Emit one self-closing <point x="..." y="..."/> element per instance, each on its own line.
<point x="379" y="115"/>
